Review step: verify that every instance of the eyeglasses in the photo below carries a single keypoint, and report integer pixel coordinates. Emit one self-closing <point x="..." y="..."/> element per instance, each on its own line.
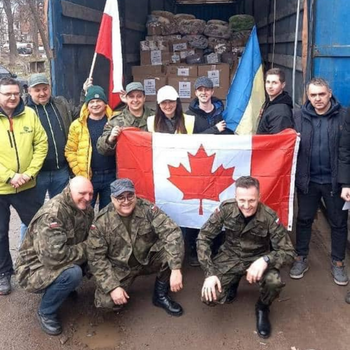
<point x="123" y="199"/>
<point x="10" y="94"/>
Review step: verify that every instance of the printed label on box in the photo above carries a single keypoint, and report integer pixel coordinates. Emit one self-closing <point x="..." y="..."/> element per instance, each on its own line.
<point x="156" y="57"/>
<point x="184" y="89"/>
<point x="180" y="47"/>
<point x="149" y="86"/>
<point x="175" y="58"/>
<point x="183" y="72"/>
<point x="214" y="75"/>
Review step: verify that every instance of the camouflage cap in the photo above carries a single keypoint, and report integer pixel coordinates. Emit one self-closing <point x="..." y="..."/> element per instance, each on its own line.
<point x="205" y="82"/>
<point x="120" y="186"/>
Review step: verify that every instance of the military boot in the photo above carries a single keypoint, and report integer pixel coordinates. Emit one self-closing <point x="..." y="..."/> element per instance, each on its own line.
<point x="263" y="325"/>
<point x="162" y="299"/>
<point x="232" y="293"/>
<point x="193" y="258"/>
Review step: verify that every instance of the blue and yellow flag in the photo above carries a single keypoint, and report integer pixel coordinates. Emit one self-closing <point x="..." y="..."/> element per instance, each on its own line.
<point x="247" y="92"/>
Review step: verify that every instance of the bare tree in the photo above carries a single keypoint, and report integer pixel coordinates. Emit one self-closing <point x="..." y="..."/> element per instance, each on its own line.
<point x="11" y="33"/>
<point x="33" y="5"/>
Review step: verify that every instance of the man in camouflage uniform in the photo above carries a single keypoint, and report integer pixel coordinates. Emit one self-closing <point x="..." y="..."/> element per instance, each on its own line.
<point x="132" y="237"/>
<point x="54" y="249"/>
<point x="135" y="114"/>
<point x="256" y="245"/>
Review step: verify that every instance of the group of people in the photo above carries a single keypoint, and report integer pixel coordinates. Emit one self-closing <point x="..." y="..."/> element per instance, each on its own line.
<point x="46" y="141"/>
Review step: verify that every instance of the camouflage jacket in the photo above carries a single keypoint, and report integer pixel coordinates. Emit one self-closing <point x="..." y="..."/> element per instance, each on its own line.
<point x="263" y="235"/>
<point x="55" y="240"/>
<point x="125" y="118"/>
<point x="110" y="245"/>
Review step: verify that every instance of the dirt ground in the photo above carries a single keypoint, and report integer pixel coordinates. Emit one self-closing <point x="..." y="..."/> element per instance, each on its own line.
<point x="310" y="315"/>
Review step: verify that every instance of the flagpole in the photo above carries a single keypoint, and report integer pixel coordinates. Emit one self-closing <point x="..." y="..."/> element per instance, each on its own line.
<point x="92" y="65"/>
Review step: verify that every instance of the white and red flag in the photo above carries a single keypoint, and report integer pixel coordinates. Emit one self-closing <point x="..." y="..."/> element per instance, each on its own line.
<point x="189" y="175"/>
<point x="109" y="45"/>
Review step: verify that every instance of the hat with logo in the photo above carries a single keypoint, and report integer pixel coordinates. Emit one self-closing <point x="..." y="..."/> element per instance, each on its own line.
<point x="167" y="92"/>
<point x="95" y="92"/>
<point x="203" y="82"/>
<point x="134" y="86"/>
<point x="38" y="78"/>
<point x="120" y="186"/>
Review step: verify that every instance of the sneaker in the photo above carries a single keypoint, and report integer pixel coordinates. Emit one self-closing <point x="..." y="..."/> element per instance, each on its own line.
<point x="339" y="273"/>
<point x="50" y="324"/>
<point x="300" y="266"/>
<point x="5" y="285"/>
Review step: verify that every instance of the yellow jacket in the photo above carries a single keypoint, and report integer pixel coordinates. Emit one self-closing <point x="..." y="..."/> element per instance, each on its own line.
<point x="23" y="147"/>
<point x="189" y="123"/>
<point x="78" y="150"/>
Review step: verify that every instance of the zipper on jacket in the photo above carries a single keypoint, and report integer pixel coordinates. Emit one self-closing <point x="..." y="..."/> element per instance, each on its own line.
<point x="14" y="143"/>
<point x="10" y="139"/>
<point x="53" y="136"/>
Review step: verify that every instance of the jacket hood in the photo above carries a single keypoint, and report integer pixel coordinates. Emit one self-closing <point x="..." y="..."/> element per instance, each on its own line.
<point x="283" y="98"/>
<point x="84" y="113"/>
<point x="18" y="110"/>
<point x="309" y="110"/>
<point x="194" y="106"/>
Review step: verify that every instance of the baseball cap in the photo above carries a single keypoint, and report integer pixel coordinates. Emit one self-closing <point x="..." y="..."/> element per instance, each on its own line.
<point x="167" y="92"/>
<point x="38" y="78"/>
<point x="134" y="86"/>
<point x="203" y="81"/>
<point x="120" y="186"/>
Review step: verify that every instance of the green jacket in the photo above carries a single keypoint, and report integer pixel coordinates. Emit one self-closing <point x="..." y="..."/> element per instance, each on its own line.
<point x="263" y="235"/>
<point x="54" y="242"/>
<point x="23" y="147"/>
<point x="110" y="245"/>
<point x="125" y="118"/>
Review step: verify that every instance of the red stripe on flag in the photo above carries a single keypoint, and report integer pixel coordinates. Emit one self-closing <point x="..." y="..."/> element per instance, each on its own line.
<point x="104" y="39"/>
<point x="134" y="150"/>
<point x="272" y="160"/>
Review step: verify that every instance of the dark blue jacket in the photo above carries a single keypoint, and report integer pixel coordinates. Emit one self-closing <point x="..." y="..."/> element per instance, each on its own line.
<point x="313" y="151"/>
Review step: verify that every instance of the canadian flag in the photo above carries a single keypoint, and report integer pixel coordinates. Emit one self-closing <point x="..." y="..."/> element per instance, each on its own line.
<point x="188" y="176"/>
<point x="109" y="45"/>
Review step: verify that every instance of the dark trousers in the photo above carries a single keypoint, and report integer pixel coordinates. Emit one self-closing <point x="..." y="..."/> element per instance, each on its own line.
<point x="101" y="182"/>
<point x="57" y="292"/>
<point x="26" y="203"/>
<point x="308" y="205"/>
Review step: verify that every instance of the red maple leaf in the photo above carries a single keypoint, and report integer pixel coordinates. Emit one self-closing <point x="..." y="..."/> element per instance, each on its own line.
<point x="201" y="183"/>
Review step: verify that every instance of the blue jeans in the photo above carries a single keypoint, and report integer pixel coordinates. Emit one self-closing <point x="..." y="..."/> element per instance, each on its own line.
<point x="57" y="292"/>
<point x="48" y="181"/>
<point x="101" y="183"/>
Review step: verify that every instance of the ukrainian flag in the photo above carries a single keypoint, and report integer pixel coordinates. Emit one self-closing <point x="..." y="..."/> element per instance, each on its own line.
<point x="247" y="92"/>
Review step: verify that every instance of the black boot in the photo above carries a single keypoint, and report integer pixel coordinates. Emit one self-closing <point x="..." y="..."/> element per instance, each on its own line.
<point x="193" y="260"/>
<point x="263" y="324"/>
<point x="162" y="299"/>
<point x="232" y="293"/>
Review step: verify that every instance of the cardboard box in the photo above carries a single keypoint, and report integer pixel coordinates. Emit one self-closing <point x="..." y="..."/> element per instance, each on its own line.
<point x="154" y="58"/>
<point x="184" y="86"/>
<point x="179" y="45"/>
<point x="181" y="70"/>
<point x="220" y="75"/>
<point x="151" y="84"/>
<point x="150" y="45"/>
<point x="150" y="70"/>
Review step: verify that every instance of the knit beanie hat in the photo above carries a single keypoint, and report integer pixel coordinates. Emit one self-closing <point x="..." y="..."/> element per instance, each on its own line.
<point x="95" y="92"/>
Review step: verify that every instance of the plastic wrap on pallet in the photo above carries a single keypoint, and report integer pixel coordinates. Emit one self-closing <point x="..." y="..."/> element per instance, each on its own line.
<point x="195" y="59"/>
<point x="166" y="14"/>
<point x="213" y="42"/>
<point x="222" y="48"/>
<point x="192" y="26"/>
<point x="212" y="58"/>
<point x="217" y="31"/>
<point x="241" y="22"/>
<point x="197" y="41"/>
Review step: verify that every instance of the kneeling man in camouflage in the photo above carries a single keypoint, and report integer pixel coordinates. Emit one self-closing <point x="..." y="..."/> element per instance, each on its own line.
<point x="256" y="245"/>
<point x="133" y="237"/>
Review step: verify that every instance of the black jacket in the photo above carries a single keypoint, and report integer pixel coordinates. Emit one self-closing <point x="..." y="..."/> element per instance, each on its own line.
<point x="205" y="122"/>
<point x="276" y="115"/>
<point x="344" y="153"/>
<point x="304" y="125"/>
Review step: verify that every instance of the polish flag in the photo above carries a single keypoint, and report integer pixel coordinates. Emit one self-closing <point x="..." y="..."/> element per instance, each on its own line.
<point x="188" y="176"/>
<point x="109" y="45"/>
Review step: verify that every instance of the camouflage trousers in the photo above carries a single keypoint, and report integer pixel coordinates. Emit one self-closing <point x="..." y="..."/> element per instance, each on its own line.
<point x="270" y="285"/>
<point x="158" y="264"/>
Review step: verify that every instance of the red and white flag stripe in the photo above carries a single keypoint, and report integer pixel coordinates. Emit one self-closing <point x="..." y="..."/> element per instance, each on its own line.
<point x="189" y="175"/>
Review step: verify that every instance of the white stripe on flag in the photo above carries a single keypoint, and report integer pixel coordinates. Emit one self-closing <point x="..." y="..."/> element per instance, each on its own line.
<point x="173" y="150"/>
